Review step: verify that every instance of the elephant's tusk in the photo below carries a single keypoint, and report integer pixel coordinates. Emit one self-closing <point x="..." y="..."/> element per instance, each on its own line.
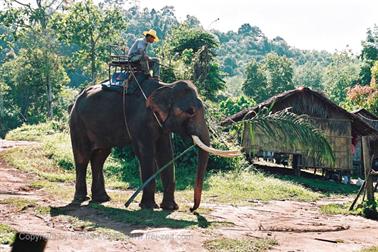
<point x="222" y="153"/>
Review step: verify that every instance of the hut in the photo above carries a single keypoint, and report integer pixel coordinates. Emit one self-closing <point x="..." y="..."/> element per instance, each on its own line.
<point x="369" y="150"/>
<point x="340" y="127"/>
<point x="372" y="120"/>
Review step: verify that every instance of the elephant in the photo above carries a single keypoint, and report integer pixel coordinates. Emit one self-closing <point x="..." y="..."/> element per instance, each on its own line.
<point x="100" y="120"/>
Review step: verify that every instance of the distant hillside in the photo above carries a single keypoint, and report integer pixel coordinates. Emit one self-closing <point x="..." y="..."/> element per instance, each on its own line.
<point x="236" y="48"/>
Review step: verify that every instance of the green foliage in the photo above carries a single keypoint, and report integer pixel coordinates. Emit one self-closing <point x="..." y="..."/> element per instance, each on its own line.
<point x="240" y="186"/>
<point x="270" y="77"/>
<point x="233" y="86"/>
<point x="31" y="85"/>
<point x="279" y="72"/>
<point x="333" y="209"/>
<point x="7" y="234"/>
<point x="340" y="75"/>
<point x="189" y="54"/>
<point x="184" y="37"/>
<point x="369" y="55"/>
<point x="369" y="210"/>
<point x="139" y="20"/>
<point x="91" y="30"/>
<point x="328" y="188"/>
<point x="232" y="105"/>
<point x="124" y="166"/>
<point x="374" y="74"/>
<point x="256" y="82"/>
<point x="212" y="83"/>
<point x="309" y="75"/>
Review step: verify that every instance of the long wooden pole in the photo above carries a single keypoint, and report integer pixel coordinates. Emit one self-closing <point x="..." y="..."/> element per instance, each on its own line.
<point x="367" y="168"/>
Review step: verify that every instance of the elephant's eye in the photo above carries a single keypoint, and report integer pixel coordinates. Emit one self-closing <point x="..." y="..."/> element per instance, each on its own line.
<point x="190" y="111"/>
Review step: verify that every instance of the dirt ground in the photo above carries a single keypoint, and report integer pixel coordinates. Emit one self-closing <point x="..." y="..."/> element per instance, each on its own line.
<point x="296" y="226"/>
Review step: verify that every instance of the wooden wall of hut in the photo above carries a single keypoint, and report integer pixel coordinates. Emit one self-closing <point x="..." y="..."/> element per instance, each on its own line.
<point x="335" y="126"/>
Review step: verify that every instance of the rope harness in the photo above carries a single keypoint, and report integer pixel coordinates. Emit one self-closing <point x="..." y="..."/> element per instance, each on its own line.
<point x="144" y="95"/>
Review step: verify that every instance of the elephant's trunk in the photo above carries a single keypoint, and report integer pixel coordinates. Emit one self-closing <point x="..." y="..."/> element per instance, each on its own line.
<point x="202" y="164"/>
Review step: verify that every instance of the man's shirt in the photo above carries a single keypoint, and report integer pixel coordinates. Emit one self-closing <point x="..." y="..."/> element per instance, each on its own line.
<point x="138" y="46"/>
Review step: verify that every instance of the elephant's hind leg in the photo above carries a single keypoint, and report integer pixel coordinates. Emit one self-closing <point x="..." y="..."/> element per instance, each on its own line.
<point x="98" y="184"/>
<point x="81" y="164"/>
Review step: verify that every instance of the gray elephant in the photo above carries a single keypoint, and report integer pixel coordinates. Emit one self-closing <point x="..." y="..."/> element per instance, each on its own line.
<point x="100" y="120"/>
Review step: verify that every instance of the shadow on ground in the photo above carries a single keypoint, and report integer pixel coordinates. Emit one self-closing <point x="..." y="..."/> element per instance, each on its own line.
<point x="125" y="221"/>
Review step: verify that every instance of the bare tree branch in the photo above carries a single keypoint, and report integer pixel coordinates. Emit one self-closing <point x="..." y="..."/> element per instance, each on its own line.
<point x="25" y="5"/>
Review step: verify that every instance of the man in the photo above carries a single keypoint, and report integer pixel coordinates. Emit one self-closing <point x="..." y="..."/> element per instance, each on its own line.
<point x="137" y="53"/>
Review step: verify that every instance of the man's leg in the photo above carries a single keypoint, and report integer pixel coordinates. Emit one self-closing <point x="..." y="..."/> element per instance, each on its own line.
<point x="143" y="63"/>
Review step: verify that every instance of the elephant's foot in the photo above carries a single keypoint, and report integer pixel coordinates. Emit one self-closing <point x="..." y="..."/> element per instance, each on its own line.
<point x="148" y="205"/>
<point x="80" y="198"/>
<point x="169" y="205"/>
<point x="100" y="198"/>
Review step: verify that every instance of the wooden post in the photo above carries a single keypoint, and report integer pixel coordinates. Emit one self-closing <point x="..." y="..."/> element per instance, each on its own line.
<point x="367" y="168"/>
<point x="297" y="169"/>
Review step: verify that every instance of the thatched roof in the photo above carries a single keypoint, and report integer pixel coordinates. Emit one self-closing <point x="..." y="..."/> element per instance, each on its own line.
<point x="367" y="117"/>
<point x="359" y="127"/>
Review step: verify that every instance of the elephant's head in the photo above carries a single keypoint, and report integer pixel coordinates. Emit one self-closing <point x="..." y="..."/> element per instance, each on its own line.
<point x="180" y="110"/>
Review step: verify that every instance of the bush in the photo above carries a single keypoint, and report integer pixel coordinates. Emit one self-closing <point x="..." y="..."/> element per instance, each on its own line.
<point x="36" y="132"/>
<point x="369" y="210"/>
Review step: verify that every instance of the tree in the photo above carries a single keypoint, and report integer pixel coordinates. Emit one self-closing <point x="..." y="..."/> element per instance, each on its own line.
<point x="233" y="105"/>
<point x="28" y="85"/>
<point x="369" y="54"/>
<point x="190" y="51"/>
<point x="374" y="74"/>
<point x="185" y="37"/>
<point x="362" y="97"/>
<point x="340" y="75"/>
<point x="256" y="82"/>
<point x="28" y="24"/>
<point x="279" y="71"/>
<point x="273" y="75"/>
<point x="309" y="75"/>
<point x="92" y="30"/>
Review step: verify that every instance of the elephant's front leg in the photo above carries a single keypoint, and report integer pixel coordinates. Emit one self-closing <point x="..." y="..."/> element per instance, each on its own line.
<point x="164" y="154"/>
<point x="146" y="160"/>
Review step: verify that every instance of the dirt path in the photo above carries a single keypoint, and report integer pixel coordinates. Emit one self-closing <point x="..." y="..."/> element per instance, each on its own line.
<point x="296" y="226"/>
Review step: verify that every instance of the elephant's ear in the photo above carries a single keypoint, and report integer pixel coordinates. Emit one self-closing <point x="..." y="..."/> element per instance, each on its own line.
<point x="160" y="102"/>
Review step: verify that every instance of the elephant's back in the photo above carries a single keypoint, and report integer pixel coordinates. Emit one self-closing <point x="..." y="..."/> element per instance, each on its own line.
<point x="99" y="113"/>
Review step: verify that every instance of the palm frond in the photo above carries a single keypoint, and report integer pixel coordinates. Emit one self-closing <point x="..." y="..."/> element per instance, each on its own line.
<point x="294" y="131"/>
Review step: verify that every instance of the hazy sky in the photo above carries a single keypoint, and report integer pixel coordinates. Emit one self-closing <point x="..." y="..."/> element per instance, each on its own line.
<point x="305" y="24"/>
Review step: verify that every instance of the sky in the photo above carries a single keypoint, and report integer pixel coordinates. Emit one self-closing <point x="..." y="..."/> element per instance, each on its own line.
<point x="305" y="24"/>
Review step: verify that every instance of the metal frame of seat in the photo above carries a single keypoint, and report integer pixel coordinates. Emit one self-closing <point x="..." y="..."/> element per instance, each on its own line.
<point x="121" y="61"/>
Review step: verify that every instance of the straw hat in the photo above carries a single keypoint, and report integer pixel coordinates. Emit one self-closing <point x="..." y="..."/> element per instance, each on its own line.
<point x="152" y="33"/>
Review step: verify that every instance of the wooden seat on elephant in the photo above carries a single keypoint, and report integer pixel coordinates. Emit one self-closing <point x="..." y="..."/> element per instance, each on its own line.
<point x="124" y="64"/>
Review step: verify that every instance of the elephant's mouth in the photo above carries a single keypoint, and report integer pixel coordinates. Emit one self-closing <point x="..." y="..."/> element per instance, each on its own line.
<point x="221" y="153"/>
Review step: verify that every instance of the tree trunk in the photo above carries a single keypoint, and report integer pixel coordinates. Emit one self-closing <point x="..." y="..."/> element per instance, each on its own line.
<point x="1" y="103"/>
<point x="49" y="98"/>
<point x="93" y="60"/>
<point x="367" y="165"/>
